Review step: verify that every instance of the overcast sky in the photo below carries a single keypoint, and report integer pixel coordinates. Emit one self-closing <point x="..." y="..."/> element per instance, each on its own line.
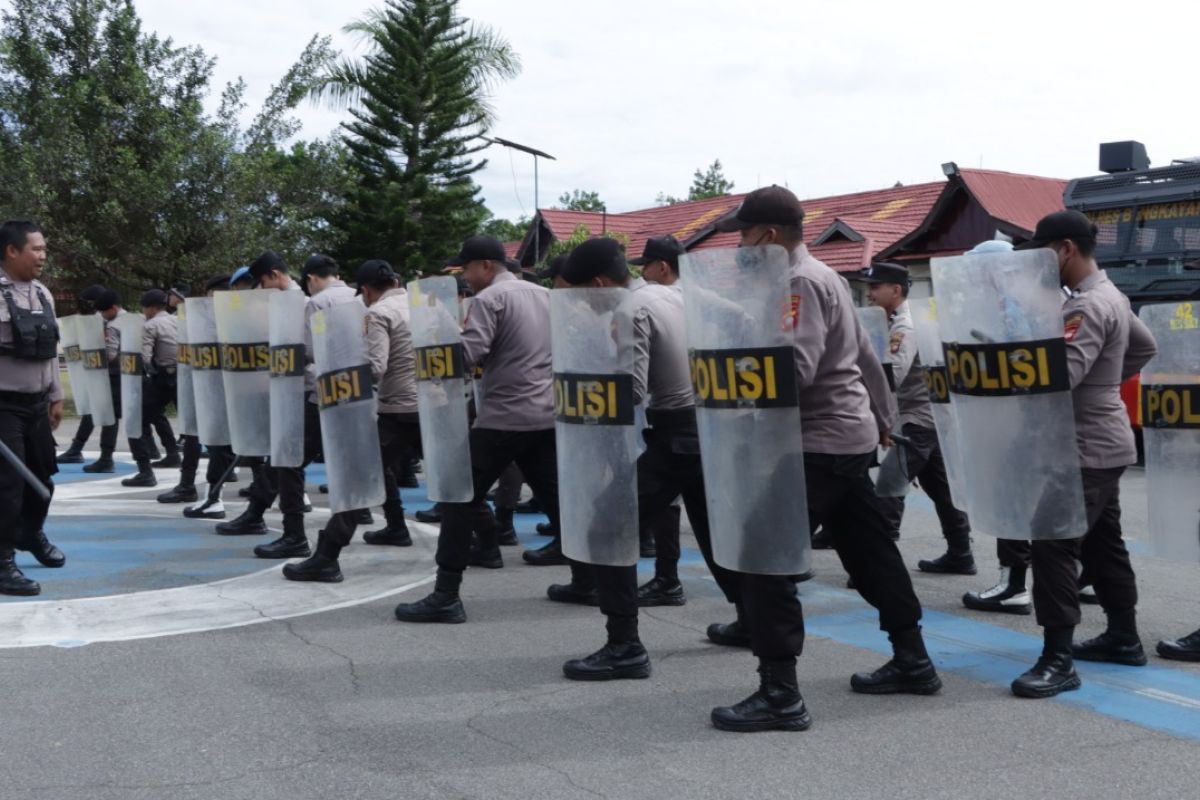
<point x="827" y="97"/>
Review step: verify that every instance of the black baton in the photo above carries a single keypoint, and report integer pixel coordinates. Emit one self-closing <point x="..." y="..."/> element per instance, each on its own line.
<point x="24" y="472"/>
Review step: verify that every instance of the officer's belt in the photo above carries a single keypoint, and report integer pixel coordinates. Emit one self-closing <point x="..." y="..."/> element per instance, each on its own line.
<point x="672" y="420"/>
<point x="23" y="397"/>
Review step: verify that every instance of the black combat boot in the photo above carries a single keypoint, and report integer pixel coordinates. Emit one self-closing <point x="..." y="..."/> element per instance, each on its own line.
<point x="72" y="455"/>
<point x="363" y="516"/>
<point x="41" y="548"/>
<point x="144" y="478"/>
<point x="1054" y="672"/>
<point x="623" y="657"/>
<point x="910" y="671"/>
<point x="581" y="591"/>
<point x="550" y="555"/>
<point x="248" y="523"/>
<point x="506" y="534"/>
<point x="1008" y="596"/>
<point x="184" y="491"/>
<point x="169" y="461"/>
<point x="12" y="580"/>
<point x="950" y="563"/>
<point x="776" y="706"/>
<point x="545" y="529"/>
<point x="432" y="516"/>
<point x="1120" y="644"/>
<point x="293" y="543"/>
<point x="661" y="591"/>
<point x="321" y="567"/>
<point x="443" y="605"/>
<point x="395" y="533"/>
<point x="1185" y="649"/>
<point x="730" y="634"/>
<point x="103" y="464"/>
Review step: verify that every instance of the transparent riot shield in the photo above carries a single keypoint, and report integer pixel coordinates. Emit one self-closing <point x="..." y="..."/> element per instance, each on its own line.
<point x="133" y="372"/>
<point x="1170" y="405"/>
<point x="929" y="345"/>
<point x="243" y="321"/>
<point x="739" y="329"/>
<point x="1000" y="320"/>
<point x="875" y="322"/>
<point x="891" y="479"/>
<point x="346" y="397"/>
<point x="185" y="400"/>
<point x="286" y="339"/>
<point x="69" y="337"/>
<point x="93" y="355"/>
<point x="441" y="391"/>
<point x="592" y="334"/>
<point x="212" y="420"/>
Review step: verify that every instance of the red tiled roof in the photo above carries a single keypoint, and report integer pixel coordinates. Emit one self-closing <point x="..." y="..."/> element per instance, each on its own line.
<point x="1019" y="200"/>
<point x="511" y="248"/>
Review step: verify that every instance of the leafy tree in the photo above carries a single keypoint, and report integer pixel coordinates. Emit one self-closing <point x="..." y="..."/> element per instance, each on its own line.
<point x="579" y="200"/>
<point x="418" y="102"/>
<point x="506" y="230"/>
<point x="705" y="184"/>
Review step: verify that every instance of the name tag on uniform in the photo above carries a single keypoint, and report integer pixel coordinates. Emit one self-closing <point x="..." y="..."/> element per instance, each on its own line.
<point x="763" y="377"/>
<point x="1171" y="406"/>
<point x="1005" y="370"/>
<point x="593" y="399"/>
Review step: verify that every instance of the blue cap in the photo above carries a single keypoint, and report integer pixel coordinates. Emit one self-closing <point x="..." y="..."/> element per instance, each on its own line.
<point x="241" y="274"/>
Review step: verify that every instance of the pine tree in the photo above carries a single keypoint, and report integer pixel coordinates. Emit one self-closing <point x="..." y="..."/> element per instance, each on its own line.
<point x="418" y="102"/>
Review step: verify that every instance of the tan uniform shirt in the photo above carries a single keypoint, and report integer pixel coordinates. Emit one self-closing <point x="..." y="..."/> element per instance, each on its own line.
<point x="159" y="341"/>
<point x="390" y="349"/>
<point x="912" y="396"/>
<point x="845" y="401"/>
<point x="1106" y="344"/>
<point x="507" y="332"/>
<point x="661" y="375"/>
<point x="18" y="374"/>
<point x="332" y="295"/>
<point x="112" y="342"/>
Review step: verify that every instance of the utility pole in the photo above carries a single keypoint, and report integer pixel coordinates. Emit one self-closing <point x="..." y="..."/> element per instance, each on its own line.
<point x="537" y="245"/>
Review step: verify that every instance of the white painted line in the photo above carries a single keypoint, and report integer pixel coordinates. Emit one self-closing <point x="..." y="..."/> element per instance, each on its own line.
<point x="1168" y="697"/>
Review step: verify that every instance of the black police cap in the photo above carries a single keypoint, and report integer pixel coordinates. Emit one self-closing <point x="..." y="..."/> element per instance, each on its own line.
<point x="595" y="258"/>
<point x="660" y="248"/>
<point x="479" y="248"/>
<point x="154" y="298"/>
<point x="885" y="272"/>
<point x="770" y="205"/>
<point x="1058" y="226"/>
<point x="106" y="299"/>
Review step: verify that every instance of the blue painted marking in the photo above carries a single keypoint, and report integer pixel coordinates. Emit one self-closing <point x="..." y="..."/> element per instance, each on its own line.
<point x="73" y="473"/>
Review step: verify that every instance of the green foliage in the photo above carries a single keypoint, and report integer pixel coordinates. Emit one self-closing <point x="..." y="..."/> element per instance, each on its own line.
<point x="104" y="140"/>
<point x="709" y="183"/>
<point x="579" y="200"/>
<point x="578" y="236"/>
<point x="506" y="230"/>
<point x="418" y="103"/>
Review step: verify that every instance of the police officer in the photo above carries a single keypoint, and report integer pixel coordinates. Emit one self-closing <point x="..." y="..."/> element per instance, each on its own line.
<point x="74" y="454"/>
<point x="888" y="285"/>
<point x="159" y="352"/>
<point x="1106" y="344"/>
<point x="507" y="331"/>
<point x="220" y="459"/>
<point x="670" y="465"/>
<point x="393" y="368"/>
<point x="840" y="381"/>
<point x="31" y="402"/>
<point x="660" y="535"/>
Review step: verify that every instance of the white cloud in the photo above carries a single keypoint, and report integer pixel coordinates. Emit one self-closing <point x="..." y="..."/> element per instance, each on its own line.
<point x="828" y="97"/>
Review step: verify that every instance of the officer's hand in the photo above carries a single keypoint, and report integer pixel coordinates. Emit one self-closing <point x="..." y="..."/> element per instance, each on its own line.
<point x="885" y="439"/>
<point x="56" y="414"/>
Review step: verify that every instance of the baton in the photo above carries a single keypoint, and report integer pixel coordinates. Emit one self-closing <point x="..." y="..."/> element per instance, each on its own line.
<point x="214" y="491"/>
<point x="24" y="472"/>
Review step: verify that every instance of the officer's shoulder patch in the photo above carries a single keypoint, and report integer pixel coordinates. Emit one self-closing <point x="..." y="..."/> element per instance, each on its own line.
<point x="1071" y="325"/>
<point x="895" y="340"/>
<point x="791" y="314"/>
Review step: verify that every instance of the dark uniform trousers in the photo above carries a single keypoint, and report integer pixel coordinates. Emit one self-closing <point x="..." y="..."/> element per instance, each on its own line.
<point x="669" y="467"/>
<point x="25" y="428"/>
<point x="160" y="393"/>
<point x="842" y="499"/>
<point x="219" y="459"/>
<point x="508" y="490"/>
<point x="925" y="463"/>
<point x="1101" y="550"/>
<point x="491" y="452"/>
<point x="399" y="438"/>
<point x="288" y="484"/>
<point x="108" y="434"/>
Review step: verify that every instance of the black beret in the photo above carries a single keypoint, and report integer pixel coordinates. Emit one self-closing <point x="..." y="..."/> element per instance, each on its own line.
<point x="154" y="297"/>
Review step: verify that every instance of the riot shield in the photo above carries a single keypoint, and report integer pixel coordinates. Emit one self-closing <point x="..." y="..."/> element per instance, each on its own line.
<point x="875" y="321"/>
<point x="286" y="339"/>
<point x="69" y="333"/>
<point x="185" y="401"/>
<point x="1000" y="321"/>
<point x="93" y="355"/>
<point x="929" y="346"/>
<point x="441" y="391"/>
<point x="739" y="327"/>
<point x="346" y="396"/>
<point x="594" y="425"/>
<point x="133" y="372"/>
<point x="1170" y="404"/>
<point x="243" y="320"/>
<point x="212" y="420"/>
